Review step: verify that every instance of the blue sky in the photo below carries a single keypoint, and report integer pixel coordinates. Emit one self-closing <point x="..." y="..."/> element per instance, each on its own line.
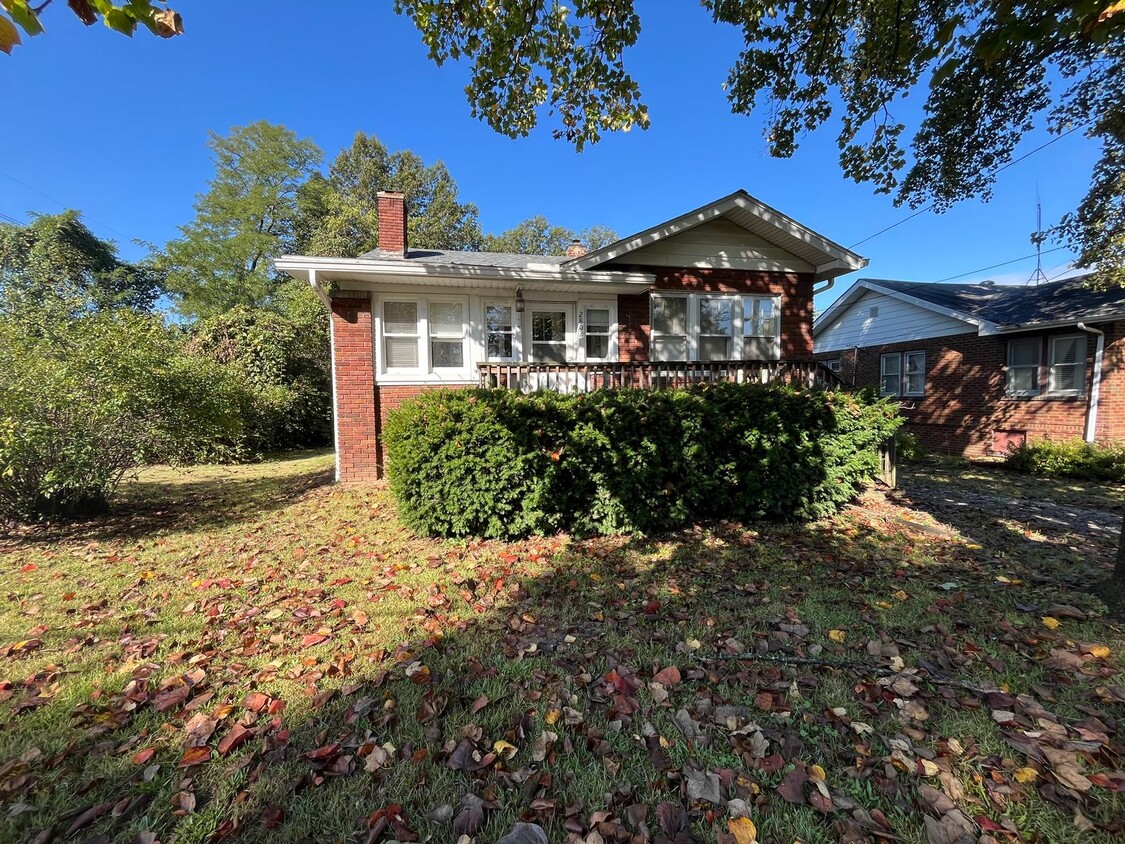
<point x="117" y="128"/>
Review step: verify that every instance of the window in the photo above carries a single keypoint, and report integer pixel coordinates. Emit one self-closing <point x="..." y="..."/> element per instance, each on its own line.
<point x="669" y="327"/>
<point x="1066" y="365"/>
<point x="548" y="335"/>
<point x="418" y="336"/>
<point x="597" y="333"/>
<point x="760" y="329"/>
<point x="834" y="365"/>
<point x="914" y="383"/>
<point x="710" y="327"/>
<point x="716" y="327"/>
<point x="500" y="332"/>
<point x="1024" y="357"/>
<point x="890" y="374"/>
<point x="400" y="335"/>
<point x="447" y="335"/>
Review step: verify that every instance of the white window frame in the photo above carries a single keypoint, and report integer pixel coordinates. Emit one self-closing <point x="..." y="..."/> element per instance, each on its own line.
<point x="417" y="335"/>
<point x="514" y="331"/>
<point x="834" y="365"/>
<point x="904" y="366"/>
<point x="425" y="372"/>
<point x="584" y="305"/>
<point x="1080" y="364"/>
<point x="570" y="341"/>
<point x="883" y="374"/>
<point x="737" y="335"/>
<point x="1011" y="367"/>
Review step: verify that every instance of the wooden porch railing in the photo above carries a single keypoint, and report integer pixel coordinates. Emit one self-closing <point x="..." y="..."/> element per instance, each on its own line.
<point x="586" y="377"/>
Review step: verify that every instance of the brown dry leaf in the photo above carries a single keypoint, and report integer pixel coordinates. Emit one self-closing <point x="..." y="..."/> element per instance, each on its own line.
<point x="792" y="788"/>
<point x="1064" y="765"/>
<point x="194" y="756"/>
<point x="743" y="830"/>
<point x="670" y="676"/>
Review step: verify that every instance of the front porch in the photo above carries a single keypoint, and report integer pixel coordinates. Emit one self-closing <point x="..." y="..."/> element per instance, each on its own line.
<point x="650" y="375"/>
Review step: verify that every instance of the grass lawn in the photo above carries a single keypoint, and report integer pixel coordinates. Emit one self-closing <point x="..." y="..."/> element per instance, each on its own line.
<point x="253" y="654"/>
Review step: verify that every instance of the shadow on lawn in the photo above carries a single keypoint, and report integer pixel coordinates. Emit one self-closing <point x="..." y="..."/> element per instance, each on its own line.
<point x="147" y="507"/>
<point x="452" y="727"/>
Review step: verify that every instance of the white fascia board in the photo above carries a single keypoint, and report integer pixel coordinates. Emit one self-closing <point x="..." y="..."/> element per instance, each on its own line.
<point x="365" y="269"/>
<point x="995" y="328"/>
<point x="834" y="252"/>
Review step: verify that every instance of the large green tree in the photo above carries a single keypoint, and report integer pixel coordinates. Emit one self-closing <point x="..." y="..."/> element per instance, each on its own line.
<point x="121" y="17"/>
<point x="246" y="217"/>
<point x="339" y="211"/>
<point x="56" y="263"/>
<point x="536" y="236"/>
<point x="991" y="70"/>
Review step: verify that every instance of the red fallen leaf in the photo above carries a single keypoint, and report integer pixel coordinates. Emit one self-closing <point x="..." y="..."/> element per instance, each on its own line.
<point x="194" y="756"/>
<point x="325" y="752"/>
<point x="237" y="737"/>
<point x="1102" y="781"/>
<point x="29" y="567"/>
<point x="771" y="764"/>
<point x="652" y="607"/>
<point x="171" y="698"/>
<point x="670" y="676"/>
<point x="478" y="704"/>
<point x="141" y="757"/>
<point x="764" y="701"/>
<point x="341" y="766"/>
<point x="313" y="639"/>
<point x="272" y="816"/>
<point x="256" y="701"/>
<point x="275" y="707"/>
<point x="792" y="788"/>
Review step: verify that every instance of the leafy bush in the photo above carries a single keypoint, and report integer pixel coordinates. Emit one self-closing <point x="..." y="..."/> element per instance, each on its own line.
<point x="85" y="400"/>
<point x="282" y="358"/>
<point x="498" y="464"/>
<point x="1072" y="458"/>
<point x="908" y="449"/>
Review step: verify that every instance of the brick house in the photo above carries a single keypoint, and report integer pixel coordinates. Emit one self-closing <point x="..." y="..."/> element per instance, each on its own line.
<point x="979" y="367"/>
<point x="727" y="284"/>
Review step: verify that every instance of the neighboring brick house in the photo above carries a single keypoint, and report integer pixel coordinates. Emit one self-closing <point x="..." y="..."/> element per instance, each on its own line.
<point x="731" y="281"/>
<point x="979" y="367"/>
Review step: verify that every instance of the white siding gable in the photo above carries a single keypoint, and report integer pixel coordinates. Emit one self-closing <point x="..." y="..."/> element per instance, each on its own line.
<point x="876" y="318"/>
<point x="721" y="244"/>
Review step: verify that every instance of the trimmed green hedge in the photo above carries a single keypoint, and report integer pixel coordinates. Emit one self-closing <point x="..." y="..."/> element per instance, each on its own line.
<point x="1074" y="458"/>
<point x="495" y="463"/>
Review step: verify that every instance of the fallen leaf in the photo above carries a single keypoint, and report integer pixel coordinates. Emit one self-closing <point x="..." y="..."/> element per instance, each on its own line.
<point x="792" y="788"/>
<point x="743" y="830"/>
<point x="837" y="635"/>
<point x="1050" y="622"/>
<point x="670" y="676"/>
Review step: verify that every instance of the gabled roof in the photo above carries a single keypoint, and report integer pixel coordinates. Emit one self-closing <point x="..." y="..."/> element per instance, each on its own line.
<point x="994" y="308"/>
<point x="828" y="258"/>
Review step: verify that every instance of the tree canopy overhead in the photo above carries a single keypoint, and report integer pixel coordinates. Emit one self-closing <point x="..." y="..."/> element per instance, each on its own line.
<point x="120" y="17"/>
<point x="992" y="70"/>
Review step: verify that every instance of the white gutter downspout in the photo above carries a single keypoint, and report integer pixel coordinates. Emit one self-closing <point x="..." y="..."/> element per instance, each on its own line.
<point x="1095" y="388"/>
<point x="831" y="283"/>
<point x="324" y="297"/>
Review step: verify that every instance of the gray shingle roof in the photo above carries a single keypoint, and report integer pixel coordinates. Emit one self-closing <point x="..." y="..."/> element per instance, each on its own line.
<point x="447" y="257"/>
<point x="1011" y="305"/>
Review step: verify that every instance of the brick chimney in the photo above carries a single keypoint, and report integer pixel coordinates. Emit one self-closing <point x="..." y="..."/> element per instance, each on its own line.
<point x="392" y="221"/>
<point x="576" y="249"/>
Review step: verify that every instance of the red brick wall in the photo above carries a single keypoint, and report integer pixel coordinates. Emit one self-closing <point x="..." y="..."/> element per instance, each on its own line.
<point x="354" y="364"/>
<point x="965" y="409"/>
<point x="795" y="290"/>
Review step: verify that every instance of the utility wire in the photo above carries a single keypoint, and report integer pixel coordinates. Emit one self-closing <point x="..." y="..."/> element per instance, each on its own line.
<point x="994" y="266"/>
<point x="1000" y="169"/>
<point x="10" y="219"/>
<point x="58" y="202"/>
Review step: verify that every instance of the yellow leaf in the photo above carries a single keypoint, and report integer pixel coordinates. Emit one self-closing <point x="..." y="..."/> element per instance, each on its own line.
<point x="1099" y="652"/>
<point x="901" y="595"/>
<point x="553" y="716"/>
<point x="503" y="749"/>
<point x="837" y="635"/>
<point x="9" y="35"/>
<point x="1026" y="775"/>
<point x="884" y="605"/>
<point x="743" y="830"/>
<point x="1050" y="622"/>
<point x="597" y="578"/>
<point x="816" y="773"/>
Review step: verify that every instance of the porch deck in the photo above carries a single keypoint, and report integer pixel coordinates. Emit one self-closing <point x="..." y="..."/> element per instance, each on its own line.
<point x="587" y="377"/>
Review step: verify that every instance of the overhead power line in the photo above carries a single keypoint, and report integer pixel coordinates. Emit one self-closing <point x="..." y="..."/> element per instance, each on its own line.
<point x="1000" y="169"/>
<point x="59" y="203"/>
<point x="1001" y="264"/>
